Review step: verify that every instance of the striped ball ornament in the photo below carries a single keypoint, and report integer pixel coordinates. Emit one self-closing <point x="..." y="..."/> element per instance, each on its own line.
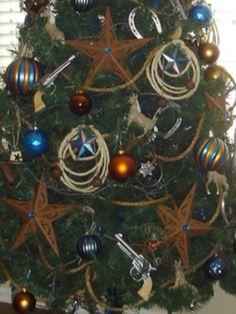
<point x="88" y="246"/>
<point x="210" y="153"/>
<point x="81" y="6"/>
<point x="21" y="75"/>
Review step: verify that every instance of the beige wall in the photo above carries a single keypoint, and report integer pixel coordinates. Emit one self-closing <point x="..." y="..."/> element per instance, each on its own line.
<point x="221" y="303"/>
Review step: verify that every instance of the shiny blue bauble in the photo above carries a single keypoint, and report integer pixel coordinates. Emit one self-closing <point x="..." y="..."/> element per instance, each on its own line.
<point x="35" y="142"/>
<point x="215" y="267"/>
<point x="201" y="13"/>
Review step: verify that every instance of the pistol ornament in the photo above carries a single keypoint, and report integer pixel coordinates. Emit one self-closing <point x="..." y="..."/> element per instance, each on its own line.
<point x="48" y="81"/>
<point x="141" y="269"/>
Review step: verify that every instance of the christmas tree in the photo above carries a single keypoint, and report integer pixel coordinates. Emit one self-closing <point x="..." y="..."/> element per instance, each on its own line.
<point x="117" y="175"/>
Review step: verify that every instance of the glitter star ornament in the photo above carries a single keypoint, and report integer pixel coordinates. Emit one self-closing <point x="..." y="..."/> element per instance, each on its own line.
<point x="108" y="52"/>
<point x="146" y="169"/>
<point x="174" y="61"/>
<point x="181" y="226"/>
<point x="84" y="144"/>
<point x="37" y="217"/>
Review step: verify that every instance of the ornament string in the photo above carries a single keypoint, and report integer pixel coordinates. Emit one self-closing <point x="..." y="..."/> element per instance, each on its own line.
<point x="8" y="275"/>
<point x="217" y="211"/>
<point x="43" y="259"/>
<point x="142" y="203"/>
<point x="15" y="140"/>
<point x="7" y="172"/>
<point x="223" y="211"/>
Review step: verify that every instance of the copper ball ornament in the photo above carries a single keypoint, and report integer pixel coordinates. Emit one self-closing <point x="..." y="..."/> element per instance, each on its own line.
<point x="122" y="166"/>
<point x="162" y="102"/>
<point x="55" y="172"/>
<point x="208" y="52"/>
<point x="80" y="104"/>
<point x="189" y="84"/>
<point x="97" y="182"/>
<point x="23" y="302"/>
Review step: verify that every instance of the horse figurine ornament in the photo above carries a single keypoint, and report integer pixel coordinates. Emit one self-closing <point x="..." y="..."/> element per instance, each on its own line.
<point x="53" y="31"/>
<point x="220" y="181"/>
<point x="135" y="115"/>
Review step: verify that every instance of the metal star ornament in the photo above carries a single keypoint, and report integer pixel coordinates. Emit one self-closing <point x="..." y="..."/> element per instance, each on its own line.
<point x="146" y="169"/>
<point x="174" y="60"/>
<point x="37" y="217"/>
<point x="107" y="52"/>
<point x="181" y="226"/>
<point x="84" y="144"/>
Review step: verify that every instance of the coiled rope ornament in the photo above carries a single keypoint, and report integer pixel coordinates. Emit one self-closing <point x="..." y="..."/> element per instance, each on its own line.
<point x="86" y="168"/>
<point x="162" y="80"/>
<point x="133" y="27"/>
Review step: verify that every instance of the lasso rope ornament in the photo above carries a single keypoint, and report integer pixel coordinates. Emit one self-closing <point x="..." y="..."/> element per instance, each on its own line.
<point x="88" y="167"/>
<point x="159" y="76"/>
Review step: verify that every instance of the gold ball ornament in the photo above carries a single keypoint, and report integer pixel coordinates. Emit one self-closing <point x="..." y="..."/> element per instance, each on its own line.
<point x="23" y="302"/>
<point x="122" y="166"/>
<point x="215" y="72"/>
<point x="208" y="52"/>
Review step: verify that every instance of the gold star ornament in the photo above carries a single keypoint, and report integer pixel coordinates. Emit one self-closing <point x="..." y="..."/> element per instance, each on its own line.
<point x="107" y="53"/>
<point x="37" y="217"/>
<point x="181" y="226"/>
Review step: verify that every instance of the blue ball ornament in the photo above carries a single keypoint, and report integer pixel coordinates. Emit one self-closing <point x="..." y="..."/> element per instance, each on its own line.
<point x="21" y="75"/>
<point x="201" y="13"/>
<point x="35" y="142"/>
<point x="81" y="6"/>
<point x="88" y="246"/>
<point x="215" y="267"/>
<point x="210" y="153"/>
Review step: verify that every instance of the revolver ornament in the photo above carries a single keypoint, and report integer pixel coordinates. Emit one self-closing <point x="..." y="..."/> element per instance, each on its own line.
<point x="141" y="269"/>
<point x="48" y="81"/>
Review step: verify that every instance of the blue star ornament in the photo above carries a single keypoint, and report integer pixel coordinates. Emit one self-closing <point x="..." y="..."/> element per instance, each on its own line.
<point x="174" y="60"/>
<point x="84" y="144"/>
